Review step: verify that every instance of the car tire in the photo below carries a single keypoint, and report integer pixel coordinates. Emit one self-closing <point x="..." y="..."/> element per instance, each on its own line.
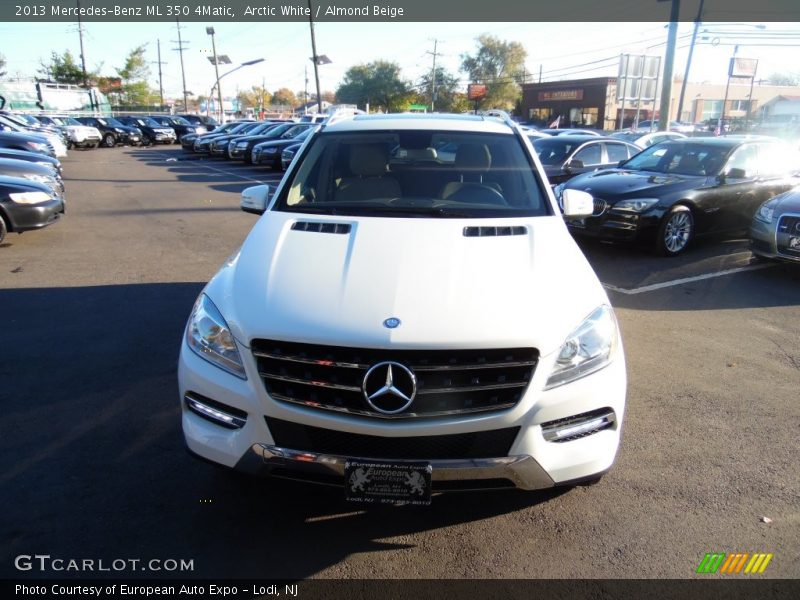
<point x="146" y="141"/>
<point x="3" y="229"/>
<point x="109" y="141"/>
<point x="676" y="231"/>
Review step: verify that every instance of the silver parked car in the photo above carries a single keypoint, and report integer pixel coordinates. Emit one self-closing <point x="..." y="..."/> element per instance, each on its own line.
<point x="775" y="232"/>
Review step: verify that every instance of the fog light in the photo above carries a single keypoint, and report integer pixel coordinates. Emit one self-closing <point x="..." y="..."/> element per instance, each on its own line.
<point x="573" y="428"/>
<point x="216" y="412"/>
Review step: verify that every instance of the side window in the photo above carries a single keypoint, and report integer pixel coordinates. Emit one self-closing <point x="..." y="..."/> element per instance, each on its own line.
<point x="590" y="155"/>
<point x="776" y="160"/>
<point x="616" y="152"/>
<point x="746" y="159"/>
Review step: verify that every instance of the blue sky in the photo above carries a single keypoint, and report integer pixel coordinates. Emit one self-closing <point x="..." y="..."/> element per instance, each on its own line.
<point x="564" y="50"/>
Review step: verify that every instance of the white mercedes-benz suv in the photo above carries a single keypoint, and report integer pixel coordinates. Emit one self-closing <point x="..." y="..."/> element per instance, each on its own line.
<point x="409" y="315"/>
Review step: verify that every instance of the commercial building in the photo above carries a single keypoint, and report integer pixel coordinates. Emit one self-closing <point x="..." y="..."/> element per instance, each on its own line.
<point x="593" y="102"/>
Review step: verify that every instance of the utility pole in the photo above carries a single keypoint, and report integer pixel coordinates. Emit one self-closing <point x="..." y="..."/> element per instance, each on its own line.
<point x="305" y="92"/>
<point x="210" y="31"/>
<point x="697" y="21"/>
<point x="83" y="53"/>
<point x="159" y="62"/>
<point x="433" y="73"/>
<point x="669" y="61"/>
<point x="540" y="73"/>
<point x="180" y="50"/>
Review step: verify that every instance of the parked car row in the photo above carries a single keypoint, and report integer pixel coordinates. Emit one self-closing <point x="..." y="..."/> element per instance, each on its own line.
<point x="253" y="142"/>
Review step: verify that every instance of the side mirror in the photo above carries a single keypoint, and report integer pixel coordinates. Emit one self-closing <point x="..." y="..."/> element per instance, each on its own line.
<point x="255" y="199"/>
<point x="577" y="203"/>
<point x="735" y="173"/>
<point x="575" y="163"/>
<point x="622" y="162"/>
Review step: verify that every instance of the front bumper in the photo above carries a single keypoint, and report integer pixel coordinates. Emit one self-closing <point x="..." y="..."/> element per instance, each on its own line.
<point x="769" y="241"/>
<point x="26" y="217"/>
<point x="623" y="226"/>
<point x="533" y="460"/>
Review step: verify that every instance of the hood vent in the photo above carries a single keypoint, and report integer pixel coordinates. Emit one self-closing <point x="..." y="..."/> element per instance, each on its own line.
<point x="494" y="231"/>
<point x="321" y="227"/>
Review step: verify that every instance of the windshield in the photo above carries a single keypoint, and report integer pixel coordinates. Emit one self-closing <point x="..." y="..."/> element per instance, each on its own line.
<point x="680" y="158"/>
<point x="555" y="150"/>
<point x="110" y="122"/>
<point x="293" y="132"/>
<point x="67" y="121"/>
<point x="402" y="174"/>
<point x="178" y="121"/>
<point x="146" y="122"/>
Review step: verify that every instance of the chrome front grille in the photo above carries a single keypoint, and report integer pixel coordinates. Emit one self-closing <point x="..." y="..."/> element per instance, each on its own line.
<point x="449" y="382"/>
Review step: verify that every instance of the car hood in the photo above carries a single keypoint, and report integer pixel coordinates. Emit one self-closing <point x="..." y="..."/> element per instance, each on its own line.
<point x="624" y="183"/>
<point x="448" y="290"/>
<point x="18" y="168"/>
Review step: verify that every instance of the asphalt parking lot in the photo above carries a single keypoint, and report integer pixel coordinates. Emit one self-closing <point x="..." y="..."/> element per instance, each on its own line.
<point x="93" y="464"/>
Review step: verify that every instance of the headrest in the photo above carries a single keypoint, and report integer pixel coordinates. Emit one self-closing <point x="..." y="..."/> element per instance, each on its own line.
<point x="421" y="154"/>
<point x="368" y="160"/>
<point x="473" y="157"/>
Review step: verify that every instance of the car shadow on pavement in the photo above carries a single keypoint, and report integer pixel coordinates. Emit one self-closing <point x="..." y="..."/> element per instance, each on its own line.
<point x="93" y="463"/>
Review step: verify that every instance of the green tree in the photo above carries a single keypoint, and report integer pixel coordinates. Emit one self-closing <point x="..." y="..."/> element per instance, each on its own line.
<point x="378" y="84"/>
<point x="448" y="91"/>
<point x="284" y="97"/>
<point x="500" y="65"/>
<point x="62" y="68"/>
<point x="134" y="74"/>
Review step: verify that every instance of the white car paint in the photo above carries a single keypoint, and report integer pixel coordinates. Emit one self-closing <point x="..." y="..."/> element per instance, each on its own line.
<point x="450" y="291"/>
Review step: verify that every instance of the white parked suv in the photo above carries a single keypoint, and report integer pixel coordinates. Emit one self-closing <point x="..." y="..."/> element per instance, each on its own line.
<point x="401" y="321"/>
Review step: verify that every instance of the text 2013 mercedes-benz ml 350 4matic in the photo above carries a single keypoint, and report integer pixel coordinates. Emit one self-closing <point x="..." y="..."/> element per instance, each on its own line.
<point x="409" y="315"/>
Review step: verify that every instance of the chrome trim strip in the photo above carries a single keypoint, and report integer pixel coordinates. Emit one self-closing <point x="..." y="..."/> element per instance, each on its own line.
<point x="522" y="470"/>
<point x="322" y="384"/>
<point x="473" y="388"/>
<point x="415" y="368"/>
<point x="405" y="415"/>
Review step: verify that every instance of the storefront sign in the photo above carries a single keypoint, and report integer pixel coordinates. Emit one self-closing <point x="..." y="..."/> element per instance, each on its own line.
<point x="476" y="91"/>
<point x="561" y="95"/>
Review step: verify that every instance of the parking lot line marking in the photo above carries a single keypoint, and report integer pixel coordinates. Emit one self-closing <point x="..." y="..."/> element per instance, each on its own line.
<point x="675" y="282"/>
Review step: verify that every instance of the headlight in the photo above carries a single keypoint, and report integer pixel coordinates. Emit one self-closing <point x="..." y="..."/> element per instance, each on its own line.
<point x="208" y="335"/>
<point x="766" y="211"/>
<point x="118" y="130"/>
<point x="636" y="204"/>
<point x="558" y="192"/>
<point x="587" y="349"/>
<point x="241" y="144"/>
<point x="37" y="145"/>
<point x="270" y="150"/>
<point x="29" y="197"/>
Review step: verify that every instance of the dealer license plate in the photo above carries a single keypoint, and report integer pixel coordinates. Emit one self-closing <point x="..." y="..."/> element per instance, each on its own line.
<point x="794" y="242"/>
<point x="387" y="483"/>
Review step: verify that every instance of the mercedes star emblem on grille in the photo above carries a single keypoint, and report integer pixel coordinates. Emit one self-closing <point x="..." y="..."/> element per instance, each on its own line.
<point x="389" y="387"/>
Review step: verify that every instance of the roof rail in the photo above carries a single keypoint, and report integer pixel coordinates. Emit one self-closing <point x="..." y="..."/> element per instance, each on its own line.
<point x="502" y="115"/>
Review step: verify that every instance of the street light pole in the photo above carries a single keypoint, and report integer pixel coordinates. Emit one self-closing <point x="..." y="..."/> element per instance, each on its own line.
<point x="669" y="60"/>
<point x="244" y="64"/>
<point x="210" y="31"/>
<point x="315" y="58"/>
<point x="697" y="21"/>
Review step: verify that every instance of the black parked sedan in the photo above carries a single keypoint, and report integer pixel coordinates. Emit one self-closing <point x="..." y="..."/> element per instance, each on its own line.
<point x="269" y="153"/>
<point x="179" y="125"/>
<point x="152" y="132"/>
<point x="565" y="156"/>
<point x="673" y="191"/>
<point x="30" y="143"/>
<point x="113" y="131"/>
<point x="241" y="148"/>
<point x="26" y="205"/>
<point x="208" y="123"/>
